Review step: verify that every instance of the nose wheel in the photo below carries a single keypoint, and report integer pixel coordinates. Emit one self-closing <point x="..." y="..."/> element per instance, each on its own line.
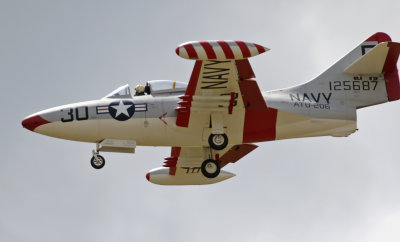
<point x="97" y="160"/>
<point x="210" y="168"/>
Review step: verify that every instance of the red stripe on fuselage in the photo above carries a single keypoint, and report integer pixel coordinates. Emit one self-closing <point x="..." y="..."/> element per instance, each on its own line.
<point x="259" y="120"/>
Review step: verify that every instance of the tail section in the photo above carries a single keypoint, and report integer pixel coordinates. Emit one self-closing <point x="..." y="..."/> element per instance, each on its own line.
<point x="327" y="105"/>
<point x="381" y="59"/>
<point x="366" y="76"/>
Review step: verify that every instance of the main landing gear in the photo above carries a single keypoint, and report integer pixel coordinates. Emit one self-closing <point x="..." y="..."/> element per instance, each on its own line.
<point x="218" y="141"/>
<point x="210" y="168"/>
<point x="97" y="160"/>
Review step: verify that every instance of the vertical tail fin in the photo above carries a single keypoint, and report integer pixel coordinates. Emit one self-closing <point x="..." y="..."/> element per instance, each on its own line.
<point x="327" y="105"/>
<point x="366" y="76"/>
<point x="381" y="59"/>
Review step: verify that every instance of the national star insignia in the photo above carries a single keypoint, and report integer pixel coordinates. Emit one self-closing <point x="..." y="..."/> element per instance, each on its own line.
<point x="122" y="109"/>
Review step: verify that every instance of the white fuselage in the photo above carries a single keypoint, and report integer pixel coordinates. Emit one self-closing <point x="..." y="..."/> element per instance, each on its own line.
<point x="156" y="126"/>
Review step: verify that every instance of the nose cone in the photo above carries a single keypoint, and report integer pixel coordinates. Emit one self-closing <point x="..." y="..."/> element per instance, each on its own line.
<point x="32" y="122"/>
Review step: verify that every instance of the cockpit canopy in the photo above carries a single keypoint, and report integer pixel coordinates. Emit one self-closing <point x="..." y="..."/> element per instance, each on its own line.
<point x="152" y="87"/>
<point x="166" y="86"/>
<point x="121" y="92"/>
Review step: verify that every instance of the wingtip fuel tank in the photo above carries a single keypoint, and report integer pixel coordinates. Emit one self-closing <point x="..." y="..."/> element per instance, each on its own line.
<point x="192" y="176"/>
<point x="219" y="50"/>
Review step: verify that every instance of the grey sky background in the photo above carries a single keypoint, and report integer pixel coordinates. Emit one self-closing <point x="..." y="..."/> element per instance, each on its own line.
<point x="316" y="189"/>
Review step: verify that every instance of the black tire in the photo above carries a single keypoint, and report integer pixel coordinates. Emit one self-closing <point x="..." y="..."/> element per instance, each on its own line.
<point x="218" y="141"/>
<point x="98" y="164"/>
<point x="210" y="168"/>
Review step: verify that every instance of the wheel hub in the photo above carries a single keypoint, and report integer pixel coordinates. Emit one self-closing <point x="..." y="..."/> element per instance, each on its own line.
<point x="218" y="139"/>
<point x="211" y="168"/>
<point x="98" y="161"/>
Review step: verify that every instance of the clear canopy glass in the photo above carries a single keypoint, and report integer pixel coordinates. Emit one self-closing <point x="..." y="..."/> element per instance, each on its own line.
<point x="121" y="92"/>
<point x="152" y="87"/>
<point x="166" y="86"/>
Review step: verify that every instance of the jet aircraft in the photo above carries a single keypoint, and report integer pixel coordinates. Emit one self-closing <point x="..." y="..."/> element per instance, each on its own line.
<point x="216" y="117"/>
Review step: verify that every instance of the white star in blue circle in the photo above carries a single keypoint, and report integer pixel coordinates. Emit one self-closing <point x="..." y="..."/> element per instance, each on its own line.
<point x="121" y="110"/>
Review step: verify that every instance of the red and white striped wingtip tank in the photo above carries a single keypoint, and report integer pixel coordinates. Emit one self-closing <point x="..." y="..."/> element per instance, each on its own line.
<point x="219" y="50"/>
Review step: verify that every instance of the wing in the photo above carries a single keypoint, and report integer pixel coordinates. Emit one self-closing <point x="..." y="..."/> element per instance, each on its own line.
<point x="220" y="91"/>
<point x="213" y="87"/>
<point x="214" y="83"/>
<point x="221" y="100"/>
<point x="184" y="165"/>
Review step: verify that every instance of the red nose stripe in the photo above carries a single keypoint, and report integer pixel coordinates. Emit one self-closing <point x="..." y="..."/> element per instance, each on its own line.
<point x="33" y="122"/>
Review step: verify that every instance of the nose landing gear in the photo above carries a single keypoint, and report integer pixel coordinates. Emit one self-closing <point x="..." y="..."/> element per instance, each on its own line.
<point x="111" y="145"/>
<point x="97" y="160"/>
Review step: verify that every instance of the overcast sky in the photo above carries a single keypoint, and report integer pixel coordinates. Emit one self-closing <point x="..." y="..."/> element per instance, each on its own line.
<point x="311" y="190"/>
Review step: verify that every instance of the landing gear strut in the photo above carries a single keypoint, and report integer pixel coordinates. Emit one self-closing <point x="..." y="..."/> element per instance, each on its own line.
<point x="218" y="141"/>
<point x="210" y="168"/>
<point x="97" y="160"/>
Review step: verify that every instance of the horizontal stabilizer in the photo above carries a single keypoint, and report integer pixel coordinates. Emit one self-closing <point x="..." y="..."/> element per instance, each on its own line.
<point x="382" y="58"/>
